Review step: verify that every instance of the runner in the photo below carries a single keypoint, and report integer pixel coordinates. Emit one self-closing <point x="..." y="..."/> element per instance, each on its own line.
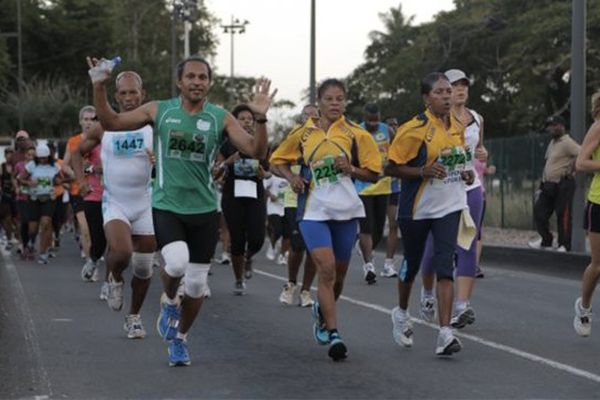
<point x="8" y="205"/>
<point x="331" y="151"/>
<point x="374" y="196"/>
<point x="87" y="116"/>
<point x="589" y="161"/>
<point x="292" y="238"/>
<point x="189" y="133"/>
<point x="25" y="152"/>
<point x="428" y="154"/>
<point x="275" y="191"/>
<point x="243" y="202"/>
<point x="40" y="175"/>
<point x="466" y="260"/>
<point x="126" y="202"/>
<point x="389" y="266"/>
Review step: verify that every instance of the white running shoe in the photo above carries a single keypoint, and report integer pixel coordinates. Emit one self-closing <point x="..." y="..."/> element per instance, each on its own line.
<point x="133" y="326"/>
<point x="87" y="271"/>
<point x="270" y="253"/>
<point x="225" y="258"/>
<point x="389" y="271"/>
<point x="402" y="328"/>
<point x="104" y="291"/>
<point x="115" y="294"/>
<point x="535" y="244"/>
<point x="463" y="317"/>
<point x="287" y="294"/>
<point x="239" y="288"/>
<point x="428" y="309"/>
<point x="582" y="322"/>
<point x="96" y="274"/>
<point x="369" y="271"/>
<point x="561" y="249"/>
<point x="447" y="343"/>
<point x="306" y="299"/>
<point x="282" y="259"/>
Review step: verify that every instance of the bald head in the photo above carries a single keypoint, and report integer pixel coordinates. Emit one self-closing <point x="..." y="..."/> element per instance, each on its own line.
<point x="130" y="93"/>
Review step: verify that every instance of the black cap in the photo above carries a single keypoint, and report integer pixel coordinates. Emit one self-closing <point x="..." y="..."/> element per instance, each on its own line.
<point x="555" y="120"/>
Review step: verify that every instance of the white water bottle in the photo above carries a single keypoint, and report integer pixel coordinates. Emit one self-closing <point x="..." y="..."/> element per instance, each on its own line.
<point x="103" y="69"/>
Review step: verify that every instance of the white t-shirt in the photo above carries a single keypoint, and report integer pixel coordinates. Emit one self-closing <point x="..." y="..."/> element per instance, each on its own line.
<point x="472" y="140"/>
<point x="44" y="175"/>
<point x="276" y="186"/>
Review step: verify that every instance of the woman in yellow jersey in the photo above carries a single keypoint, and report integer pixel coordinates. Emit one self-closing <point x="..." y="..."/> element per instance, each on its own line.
<point x="331" y="152"/>
<point x="428" y="153"/>
<point x="589" y="161"/>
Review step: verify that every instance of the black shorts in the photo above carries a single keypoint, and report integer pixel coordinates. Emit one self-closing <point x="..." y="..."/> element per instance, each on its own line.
<point x="591" y="222"/>
<point x="77" y="204"/>
<point x="276" y="223"/>
<point x="375" y="211"/>
<point x="199" y="231"/>
<point x="37" y="209"/>
<point x="8" y="207"/>
<point x="291" y="230"/>
<point x="394" y="199"/>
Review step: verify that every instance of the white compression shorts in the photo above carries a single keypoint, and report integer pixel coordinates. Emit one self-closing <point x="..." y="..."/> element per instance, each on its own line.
<point x="138" y="218"/>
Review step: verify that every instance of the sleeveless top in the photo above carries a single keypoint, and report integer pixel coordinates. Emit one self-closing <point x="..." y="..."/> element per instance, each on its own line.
<point x="185" y="148"/>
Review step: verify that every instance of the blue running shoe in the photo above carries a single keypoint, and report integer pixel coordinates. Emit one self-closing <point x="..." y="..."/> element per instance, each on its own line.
<point x="168" y="321"/>
<point x="319" y="330"/>
<point x="337" y="350"/>
<point x="178" y="353"/>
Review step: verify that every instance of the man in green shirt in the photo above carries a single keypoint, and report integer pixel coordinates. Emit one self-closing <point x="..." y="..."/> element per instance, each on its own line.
<point x="188" y="133"/>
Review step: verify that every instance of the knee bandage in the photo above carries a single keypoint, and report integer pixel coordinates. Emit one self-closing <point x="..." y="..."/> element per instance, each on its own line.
<point x="141" y="264"/>
<point x="176" y="256"/>
<point x="195" y="284"/>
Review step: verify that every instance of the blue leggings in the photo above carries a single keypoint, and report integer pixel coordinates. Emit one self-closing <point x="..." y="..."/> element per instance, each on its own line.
<point x="466" y="260"/>
<point x="414" y="235"/>
<point x="339" y="235"/>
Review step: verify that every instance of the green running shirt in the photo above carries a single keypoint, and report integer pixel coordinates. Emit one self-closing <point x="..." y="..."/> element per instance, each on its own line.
<point x="185" y="148"/>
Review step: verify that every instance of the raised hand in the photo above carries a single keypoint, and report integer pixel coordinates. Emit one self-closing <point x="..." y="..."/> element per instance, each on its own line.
<point x="97" y="74"/>
<point x="262" y="99"/>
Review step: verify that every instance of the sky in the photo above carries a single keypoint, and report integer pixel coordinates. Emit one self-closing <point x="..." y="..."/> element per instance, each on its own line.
<point x="276" y="43"/>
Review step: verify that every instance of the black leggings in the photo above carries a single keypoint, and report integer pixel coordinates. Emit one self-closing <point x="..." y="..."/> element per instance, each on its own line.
<point x="245" y="219"/>
<point x="58" y="219"/>
<point x="23" y="221"/>
<point x="376" y="213"/>
<point x="93" y="216"/>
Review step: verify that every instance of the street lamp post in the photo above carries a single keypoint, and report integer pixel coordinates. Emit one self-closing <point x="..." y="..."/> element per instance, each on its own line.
<point x="578" y="95"/>
<point x="20" y="62"/>
<point x="239" y="27"/>
<point x="312" y="81"/>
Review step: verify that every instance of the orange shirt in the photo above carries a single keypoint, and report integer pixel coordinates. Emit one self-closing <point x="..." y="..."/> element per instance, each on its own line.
<point x="72" y="146"/>
<point x="59" y="189"/>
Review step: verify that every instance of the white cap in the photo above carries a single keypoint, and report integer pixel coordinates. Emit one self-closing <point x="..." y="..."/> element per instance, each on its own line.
<point x="42" y="150"/>
<point x="455" y="75"/>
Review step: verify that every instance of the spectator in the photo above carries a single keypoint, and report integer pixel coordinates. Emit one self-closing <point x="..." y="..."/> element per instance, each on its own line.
<point x="557" y="187"/>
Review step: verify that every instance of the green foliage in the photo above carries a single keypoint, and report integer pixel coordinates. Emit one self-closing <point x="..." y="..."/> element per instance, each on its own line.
<point x="59" y="34"/>
<point x="517" y="51"/>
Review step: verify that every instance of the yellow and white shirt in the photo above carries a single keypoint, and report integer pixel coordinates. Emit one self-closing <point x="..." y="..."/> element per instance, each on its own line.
<point x="421" y="142"/>
<point x="331" y="194"/>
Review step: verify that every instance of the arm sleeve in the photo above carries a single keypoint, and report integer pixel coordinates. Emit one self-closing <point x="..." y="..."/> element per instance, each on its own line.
<point x="289" y="150"/>
<point x="405" y="146"/>
<point x="369" y="156"/>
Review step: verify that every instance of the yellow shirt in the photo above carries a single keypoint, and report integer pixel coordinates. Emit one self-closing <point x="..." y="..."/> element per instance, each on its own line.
<point x="331" y="194"/>
<point x="420" y="142"/>
<point x="594" y="192"/>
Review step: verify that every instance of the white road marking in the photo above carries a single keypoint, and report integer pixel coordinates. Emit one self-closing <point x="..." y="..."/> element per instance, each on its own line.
<point x="498" y="346"/>
<point x="38" y="371"/>
<point x="61" y="320"/>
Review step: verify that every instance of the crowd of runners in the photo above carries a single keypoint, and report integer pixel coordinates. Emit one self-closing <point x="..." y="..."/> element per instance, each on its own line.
<point x="159" y="183"/>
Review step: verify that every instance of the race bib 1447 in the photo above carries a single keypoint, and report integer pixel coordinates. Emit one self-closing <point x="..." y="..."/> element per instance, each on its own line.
<point x="128" y="144"/>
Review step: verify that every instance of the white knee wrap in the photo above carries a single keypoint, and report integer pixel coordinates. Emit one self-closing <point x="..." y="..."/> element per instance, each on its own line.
<point x="142" y="265"/>
<point x="195" y="284"/>
<point x="176" y="256"/>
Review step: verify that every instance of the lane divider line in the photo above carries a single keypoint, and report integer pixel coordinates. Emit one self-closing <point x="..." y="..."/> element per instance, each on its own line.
<point x="494" y="345"/>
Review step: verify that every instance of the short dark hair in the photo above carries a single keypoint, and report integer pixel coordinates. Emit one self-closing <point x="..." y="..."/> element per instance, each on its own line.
<point x="429" y="80"/>
<point x="327" y="83"/>
<point x="181" y="66"/>
<point x="240" y="108"/>
<point x="371" y="108"/>
<point x="9" y="150"/>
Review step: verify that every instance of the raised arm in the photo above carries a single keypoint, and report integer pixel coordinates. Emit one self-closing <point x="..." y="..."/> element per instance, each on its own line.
<point x="254" y="146"/>
<point x="591" y="141"/>
<point x="110" y="119"/>
<point x="89" y="141"/>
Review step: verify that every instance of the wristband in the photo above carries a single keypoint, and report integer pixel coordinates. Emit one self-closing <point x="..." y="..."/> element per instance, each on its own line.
<point x="261" y="121"/>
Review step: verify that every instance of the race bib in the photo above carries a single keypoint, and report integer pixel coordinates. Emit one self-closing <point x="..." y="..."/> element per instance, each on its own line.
<point x="187" y="146"/>
<point x="455" y="160"/>
<point x="324" y="172"/>
<point x="128" y="144"/>
<point x="245" y="168"/>
<point x="245" y="188"/>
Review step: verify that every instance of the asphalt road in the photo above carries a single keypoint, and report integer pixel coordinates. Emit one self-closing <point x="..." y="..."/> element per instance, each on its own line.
<point x="59" y="341"/>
